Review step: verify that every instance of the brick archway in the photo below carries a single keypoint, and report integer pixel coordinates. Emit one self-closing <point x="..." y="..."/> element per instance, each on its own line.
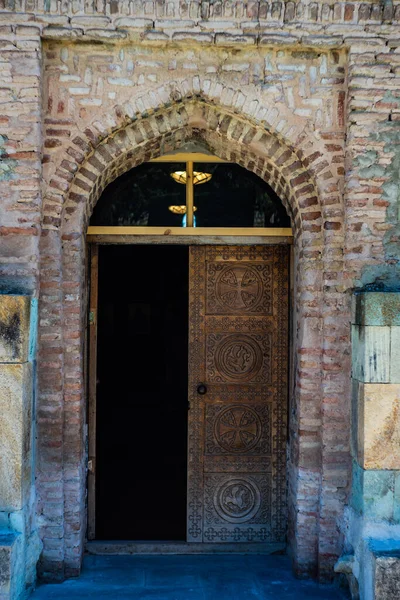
<point x="306" y="186"/>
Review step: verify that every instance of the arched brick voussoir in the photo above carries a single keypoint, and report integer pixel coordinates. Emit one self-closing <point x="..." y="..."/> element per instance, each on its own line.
<point x="226" y="134"/>
<point x="257" y="107"/>
<point x="254" y="106"/>
<point x="83" y="197"/>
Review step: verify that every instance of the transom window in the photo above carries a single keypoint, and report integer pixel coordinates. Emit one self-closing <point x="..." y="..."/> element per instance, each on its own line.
<point x="189" y="190"/>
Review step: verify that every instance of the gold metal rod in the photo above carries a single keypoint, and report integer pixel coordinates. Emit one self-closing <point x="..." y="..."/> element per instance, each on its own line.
<point x="189" y="193"/>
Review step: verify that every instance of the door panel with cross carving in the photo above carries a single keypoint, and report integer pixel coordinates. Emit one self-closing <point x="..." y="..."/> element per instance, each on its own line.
<point x="238" y="348"/>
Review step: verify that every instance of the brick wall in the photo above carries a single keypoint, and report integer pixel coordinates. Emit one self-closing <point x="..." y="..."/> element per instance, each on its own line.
<point x="242" y="15"/>
<point x="252" y="107"/>
<point x="373" y="151"/>
<point x="20" y="155"/>
<point x="303" y="94"/>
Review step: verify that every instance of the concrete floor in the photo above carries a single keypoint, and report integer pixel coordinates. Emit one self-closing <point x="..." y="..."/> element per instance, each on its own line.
<point x="220" y="577"/>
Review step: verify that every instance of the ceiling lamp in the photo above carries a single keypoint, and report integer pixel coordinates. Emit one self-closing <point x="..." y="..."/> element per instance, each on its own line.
<point x="198" y="177"/>
<point x="180" y="209"/>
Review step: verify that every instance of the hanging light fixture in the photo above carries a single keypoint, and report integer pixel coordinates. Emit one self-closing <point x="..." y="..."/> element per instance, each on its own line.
<point x="182" y="177"/>
<point x="180" y="209"/>
<point x="198" y="177"/>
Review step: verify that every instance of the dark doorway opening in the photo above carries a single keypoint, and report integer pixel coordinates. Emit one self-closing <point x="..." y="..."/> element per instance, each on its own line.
<point x="142" y="400"/>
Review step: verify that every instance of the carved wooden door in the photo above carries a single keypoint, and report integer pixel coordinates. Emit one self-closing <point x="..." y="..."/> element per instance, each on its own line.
<point x="238" y="348"/>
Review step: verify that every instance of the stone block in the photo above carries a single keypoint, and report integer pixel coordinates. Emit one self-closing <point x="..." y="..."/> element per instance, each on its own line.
<point x="378" y="492"/>
<point x="396" y="514"/>
<point x="376" y="308"/>
<point x="377" y="426"/>
<point x="14" y="328"/>
<point x="386" y="567"/>
<point x="371" y="353"/>
<point x="395" y="355"/>
<point x="15" y="434"/>
<point x="8" y="551"/>
<point x="372" y="493"/>
<point x="357" y="420"/>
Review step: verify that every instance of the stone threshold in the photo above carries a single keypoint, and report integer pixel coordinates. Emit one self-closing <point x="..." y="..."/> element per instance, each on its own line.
<point x="115" y="547"/>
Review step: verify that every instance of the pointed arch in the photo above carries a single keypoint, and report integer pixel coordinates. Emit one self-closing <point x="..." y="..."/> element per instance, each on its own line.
<point x="236" y="128"/>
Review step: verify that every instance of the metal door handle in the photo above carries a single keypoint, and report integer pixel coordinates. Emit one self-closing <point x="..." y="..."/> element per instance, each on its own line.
<point x="201" y="389"/>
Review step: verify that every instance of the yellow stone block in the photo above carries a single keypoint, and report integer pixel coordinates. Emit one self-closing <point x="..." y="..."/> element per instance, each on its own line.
<point x="15" y="434"/>
<point x="14" y="328"/>
<point x="378" y="426"/>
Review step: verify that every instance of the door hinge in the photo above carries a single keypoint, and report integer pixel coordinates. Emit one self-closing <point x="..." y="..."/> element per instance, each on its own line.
<point x="91" y="465"/>
<point x="92" y="317"/>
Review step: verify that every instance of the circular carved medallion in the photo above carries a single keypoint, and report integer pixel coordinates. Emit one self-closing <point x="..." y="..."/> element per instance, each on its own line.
<point x="238" y="357"/>
<point x="239" y="288"/>
<point x="237" y="500"/>
<point x="237" y="429"/>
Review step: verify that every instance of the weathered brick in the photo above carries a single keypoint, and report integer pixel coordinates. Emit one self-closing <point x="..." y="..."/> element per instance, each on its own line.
<point x="262" y="84"/>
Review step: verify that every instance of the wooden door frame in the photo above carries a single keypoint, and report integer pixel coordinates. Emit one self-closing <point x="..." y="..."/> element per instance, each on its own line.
<point x="92" y="387"/>
<point x="94" y="240"/>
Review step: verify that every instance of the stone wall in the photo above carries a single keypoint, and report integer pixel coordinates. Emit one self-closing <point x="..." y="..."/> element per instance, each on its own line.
<point x="305" y="95"/>
<point x="373" y="515"/>
<point x="19" y="542"/>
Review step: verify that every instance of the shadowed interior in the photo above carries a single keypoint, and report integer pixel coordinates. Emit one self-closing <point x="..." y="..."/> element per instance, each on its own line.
<point x="142" y="393"/>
